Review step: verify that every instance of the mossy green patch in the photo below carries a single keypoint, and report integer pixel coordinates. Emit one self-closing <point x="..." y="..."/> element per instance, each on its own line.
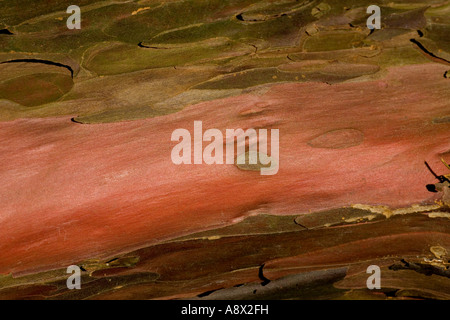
<point x="334" y="40"/>
<point x="36" y="89"/>
<point x="325" y="72"/>
<point x="114" y="58"/>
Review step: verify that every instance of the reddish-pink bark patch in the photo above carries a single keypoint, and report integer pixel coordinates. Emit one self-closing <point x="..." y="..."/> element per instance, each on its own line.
<point x="71" y="192"/>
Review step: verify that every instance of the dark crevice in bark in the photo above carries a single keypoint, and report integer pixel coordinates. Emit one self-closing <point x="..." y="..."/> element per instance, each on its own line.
<point x="140" y="45"/>
<point x="76" y="121"/>
<point x="114" y="259"/>
<point x="423" y="268"/>
<point x="299" y="224"/>
<point x="47" y="62"/>
<point x="241" y="18"/>
<point x="428" y="53"/>
<point x="392" y="293"/>
<point x="6" y="31"/>
<point x="265" y="281"/>
<point x="441" y="178"/>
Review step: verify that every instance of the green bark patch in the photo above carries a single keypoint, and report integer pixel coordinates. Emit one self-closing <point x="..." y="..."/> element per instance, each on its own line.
<point x="115" y="58"/>
<point x="34" y="82"/>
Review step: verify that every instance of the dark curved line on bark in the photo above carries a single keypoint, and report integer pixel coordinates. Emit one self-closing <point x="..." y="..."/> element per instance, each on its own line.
<point x="47" y="62"/>
<point x="6" y="31"/>
<point x="140" y="45"/>
<point x="428" y="53"/>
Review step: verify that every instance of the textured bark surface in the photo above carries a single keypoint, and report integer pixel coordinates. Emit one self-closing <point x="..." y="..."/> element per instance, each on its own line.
<point x="86" y="118"/>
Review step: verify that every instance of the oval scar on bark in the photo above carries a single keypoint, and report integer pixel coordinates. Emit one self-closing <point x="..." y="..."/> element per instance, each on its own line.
<point x="441" y="120"/>
<point x="338" y="139"/>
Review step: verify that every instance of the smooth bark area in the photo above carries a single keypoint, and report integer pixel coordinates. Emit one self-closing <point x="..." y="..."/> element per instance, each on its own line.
<point x="86" y="123"/>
